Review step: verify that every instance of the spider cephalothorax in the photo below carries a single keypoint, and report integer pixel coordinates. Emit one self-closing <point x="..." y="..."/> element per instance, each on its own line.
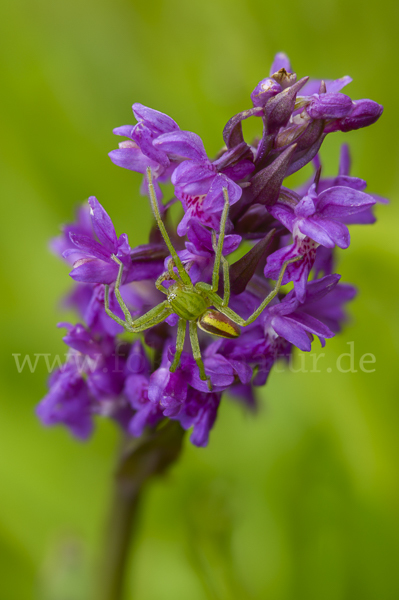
<point x="199" y="304"/>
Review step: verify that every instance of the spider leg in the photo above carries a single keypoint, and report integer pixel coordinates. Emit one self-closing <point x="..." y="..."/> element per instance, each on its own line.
<point x="226" y="281"/>
<point x="118" y="282"/>
<point x="219" y="247"/>
<point x="167" y="276"/>
<point x="218" y="302"/>
<point x="226" y="273"/>
<point x="111" y="314"/>
<point x="155" y="208"/>
<point x="153" y="317"/>
<point x="181" y="334"/>
<point x="197" y="353"/>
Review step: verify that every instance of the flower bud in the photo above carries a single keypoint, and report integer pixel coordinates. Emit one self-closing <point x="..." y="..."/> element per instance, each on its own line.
<point x="267" y="88"/>
<point x="284" y="78"/>
<point x="279" y="108"/>
<point x="329" y="106"/>
<point x="232" y="132"/>
<point x="266" y="184"/>
<point x="364" y="113"/>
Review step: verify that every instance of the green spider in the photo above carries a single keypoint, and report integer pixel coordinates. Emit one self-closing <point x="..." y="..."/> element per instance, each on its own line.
<point x="190" y="302"/>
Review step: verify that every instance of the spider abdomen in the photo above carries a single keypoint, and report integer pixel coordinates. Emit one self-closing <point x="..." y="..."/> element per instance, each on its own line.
<point x="213" y="321"/>
<point x="186" y="302"/>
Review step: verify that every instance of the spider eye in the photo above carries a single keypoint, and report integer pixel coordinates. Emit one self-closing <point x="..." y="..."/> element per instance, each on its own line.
<point x="213" y="321"/>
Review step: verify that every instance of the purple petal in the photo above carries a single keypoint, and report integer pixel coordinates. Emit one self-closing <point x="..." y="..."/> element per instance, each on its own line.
<point x="214" y="200"/>
<point x="89" y="246"/>
<point x="284" y="213"/>
<point x="131" y="158"/>
<point x="292" y="332"/>
<point x="340" y="201"/>
<point x="264" y="90"/>
<point x="158" y="121"/>
<point x="191" y="172"/>
<point x="305" y="207"/>
<point x="365" y="112"/>
<point x="318" y="288"/>
<point x="313" y="86"/>
<point x="312" y="325"/>
<point x="315" y="229"/>
<point x="329" y="106"/>
<point x="123" y="130"/>
<point x="144" y="137"/>
<point x="182" y="143"/>
<point x="326" y="232"/>
<point x="366" y="217"/>
<point x="102" y="225"/>
<point x="240" y="170"/>
<point x="337" y="84"/>
<point x="95" y="271"/>
<point x="281" y="61"/>
<point x="276" y="260"/>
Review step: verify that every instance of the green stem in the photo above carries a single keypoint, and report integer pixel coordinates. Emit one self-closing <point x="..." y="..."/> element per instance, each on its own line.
<point x="139" y="460"/>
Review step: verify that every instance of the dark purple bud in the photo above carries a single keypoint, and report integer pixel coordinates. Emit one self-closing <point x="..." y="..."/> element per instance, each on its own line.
<point x="305" y="156"/>
<point x="329" y="106"/>
<point x="310" y="136"/>
<point x="265" y="185"/>
<point x="267" y="88"/>
<point x="157" y="121"/>
<point x="232" y="157"/>
<point x="254" y="223"/>
<point x="232" y="132"/>
<point x="364" y="113"/>
<point x="279" y="108"/>
<point x="241" y="272"/>
<point x="289" y="135"/>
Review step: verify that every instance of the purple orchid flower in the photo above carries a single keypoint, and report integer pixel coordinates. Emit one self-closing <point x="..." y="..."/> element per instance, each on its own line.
<point x="315" y="219"/>
<point x="199" y="182"/>
<point x="319" y="216"/>
<point x="289" y="318"/>
<point x="94" y="263"/>
<point x="139" y="151"/>
<point x="105" y="375"/>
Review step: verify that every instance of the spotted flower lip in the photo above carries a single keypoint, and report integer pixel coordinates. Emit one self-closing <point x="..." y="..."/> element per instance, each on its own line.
<point x="129" y="380"/>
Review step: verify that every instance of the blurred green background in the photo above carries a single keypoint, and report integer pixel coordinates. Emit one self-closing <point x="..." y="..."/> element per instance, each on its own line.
<point x="298" y="502"/>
